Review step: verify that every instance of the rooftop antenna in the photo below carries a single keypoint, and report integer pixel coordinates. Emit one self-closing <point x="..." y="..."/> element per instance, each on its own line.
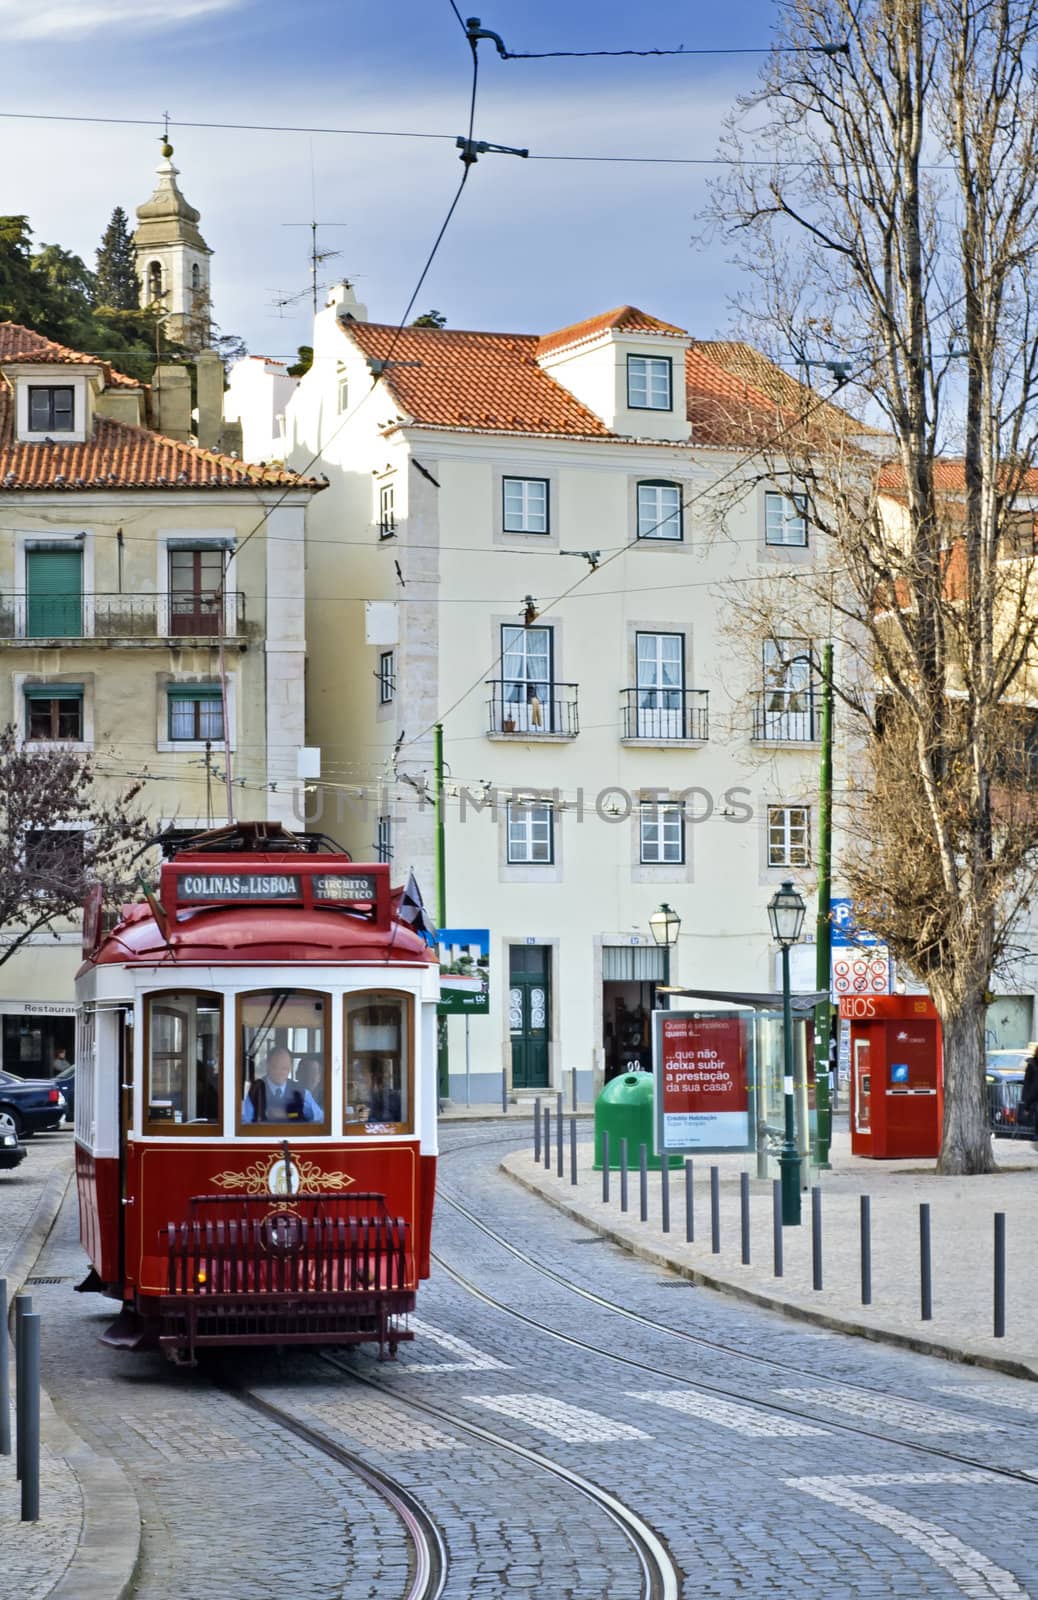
<point x="317" y="255"/>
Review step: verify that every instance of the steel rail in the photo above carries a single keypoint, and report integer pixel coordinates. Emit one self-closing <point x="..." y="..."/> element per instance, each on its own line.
<point x="429" y="1553"/>
<point x="661" y="1579"/>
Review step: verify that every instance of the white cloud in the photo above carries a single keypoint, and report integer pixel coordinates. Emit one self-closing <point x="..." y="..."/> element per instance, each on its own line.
<point x="68" y="19"/>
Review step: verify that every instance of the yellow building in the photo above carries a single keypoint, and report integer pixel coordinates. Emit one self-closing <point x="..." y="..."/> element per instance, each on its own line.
<point x="145" y="584"/>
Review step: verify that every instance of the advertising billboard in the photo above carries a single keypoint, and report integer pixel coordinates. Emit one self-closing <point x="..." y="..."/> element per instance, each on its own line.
<point x="464" y="971"/>
<point x="703" y="1081"/>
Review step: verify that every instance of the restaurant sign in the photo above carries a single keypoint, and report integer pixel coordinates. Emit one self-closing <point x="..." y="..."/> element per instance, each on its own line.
<point x="703" y="1084"/>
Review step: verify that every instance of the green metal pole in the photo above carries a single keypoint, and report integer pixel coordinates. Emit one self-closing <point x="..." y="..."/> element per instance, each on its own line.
<point x="789" y="1158"/>
<point x="442" y="1051"/>
<point x="823" y="935"/>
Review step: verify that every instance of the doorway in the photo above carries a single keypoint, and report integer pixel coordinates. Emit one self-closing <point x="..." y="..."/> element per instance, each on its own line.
<point x="631" y="975"/>
<point x="529" y="1013"/>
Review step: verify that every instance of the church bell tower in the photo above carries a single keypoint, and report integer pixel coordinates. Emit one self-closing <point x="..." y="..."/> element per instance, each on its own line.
<point x="173" y="259"/>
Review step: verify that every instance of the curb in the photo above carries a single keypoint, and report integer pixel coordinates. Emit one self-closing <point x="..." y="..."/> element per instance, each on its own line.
<point x="107" y="1554"/>
<point x="786" y="1308"/>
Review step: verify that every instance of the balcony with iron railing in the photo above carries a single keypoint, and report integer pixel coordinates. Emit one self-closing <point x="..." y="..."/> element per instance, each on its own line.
<point x="27" y="618"/>
<point x="785" y="716"/>
<point x="665" y="716"/>
<point x="528" y="711"/>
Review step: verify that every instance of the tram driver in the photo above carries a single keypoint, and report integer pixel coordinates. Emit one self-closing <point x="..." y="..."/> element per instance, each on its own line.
<point x="275" y="1098"/>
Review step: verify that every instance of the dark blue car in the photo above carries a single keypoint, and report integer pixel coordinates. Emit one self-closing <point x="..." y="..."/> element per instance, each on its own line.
<point x="29" y="1105"/>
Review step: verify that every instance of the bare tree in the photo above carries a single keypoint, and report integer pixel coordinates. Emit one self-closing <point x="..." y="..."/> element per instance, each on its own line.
<point x="58" y="835"/>
<point x="892" y="232"/>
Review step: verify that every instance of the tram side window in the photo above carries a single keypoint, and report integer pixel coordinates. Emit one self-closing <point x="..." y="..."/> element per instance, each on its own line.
<point x="378" y="1057"/>
<point x="184" y="1060"/>
<point x="283" y="1056"/>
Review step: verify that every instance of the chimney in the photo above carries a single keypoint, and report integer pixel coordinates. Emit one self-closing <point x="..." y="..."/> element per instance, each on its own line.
<point x="171" y="402"/>
<point x="209" y="369"/>
<point x="347" y="307"/>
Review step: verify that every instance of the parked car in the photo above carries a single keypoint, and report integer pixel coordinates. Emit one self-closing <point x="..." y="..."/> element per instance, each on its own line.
<point x="11" y="1152"/>
<point x="66" y="1082"/>
<point x="33" y="1105"/>
<point x="1005" y="1079"/>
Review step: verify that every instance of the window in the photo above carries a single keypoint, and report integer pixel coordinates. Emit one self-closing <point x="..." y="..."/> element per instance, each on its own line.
<point x="386" y="513"/>
<point x="195" y="711"/>
<point x="195" y="591"/>
<point x="660" y="692"/>
<point x="384" y="840"/>
<point x="525" y="505"/>
<point x="183" y="1055"/>
<point x="649" y="383"/>
<point x="386" y="677"/>
<point x="55" y="862"/>
<point x="54" y="711"/>
<point x="52" y="409"/>
<point x="344" y="394"/>
<point x="378" y="1061"/>
<point x="785" y="519"/>
<point x="155" y="281"/>
<point x="54" y="598"/>
<point x="531" y="835"/>
<point x="662" y="834"/>
<point x="789" y="836"/>
<point x="283" y="1057"/>
<point x="788" y="701"/>
<point x="526" y="679"/>
<point x="196" y="278"/>
<point x="659" y="511"/>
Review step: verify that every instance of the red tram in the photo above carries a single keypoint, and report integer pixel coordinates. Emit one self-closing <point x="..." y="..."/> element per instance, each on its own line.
<point x="256" y="1101"/>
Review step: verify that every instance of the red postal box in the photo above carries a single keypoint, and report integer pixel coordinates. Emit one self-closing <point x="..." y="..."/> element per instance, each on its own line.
<point x="897" y="1086"/>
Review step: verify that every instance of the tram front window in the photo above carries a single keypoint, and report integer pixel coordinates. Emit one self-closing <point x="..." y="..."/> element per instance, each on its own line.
<point x="284" y="1059"/>
<point x="378" y="1055"/>
<point x="183" y="1058"/>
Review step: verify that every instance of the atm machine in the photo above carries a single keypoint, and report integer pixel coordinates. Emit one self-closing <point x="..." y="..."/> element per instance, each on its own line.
<point x="897" y="1088"/>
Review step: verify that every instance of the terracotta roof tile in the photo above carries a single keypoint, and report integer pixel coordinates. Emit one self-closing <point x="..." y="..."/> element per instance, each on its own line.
<point x="627" y="318"/>
<point x="24" y="344"/>
<point x="949" y="477"/>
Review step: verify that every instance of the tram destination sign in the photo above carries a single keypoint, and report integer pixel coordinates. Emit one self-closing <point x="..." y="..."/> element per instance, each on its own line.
<point x="329" y="888"/>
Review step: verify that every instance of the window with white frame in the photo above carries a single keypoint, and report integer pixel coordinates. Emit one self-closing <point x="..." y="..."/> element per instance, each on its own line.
<point x="789" y="836"/>
<point x="531" y="836"/>
<point x="52" y="408"/>
<point x="659" y="510"/>
<point x="785" y="519"/>
<point x="662" y="834"/>
<point x="384" y="839"/>
<point x="386" y="677"/>
<point x="344" y="394"/>
<point x="386" y="511"/>
<point x="649" y="383"/>
<point x="525" y="505"/>
<point x="195" y="711"/>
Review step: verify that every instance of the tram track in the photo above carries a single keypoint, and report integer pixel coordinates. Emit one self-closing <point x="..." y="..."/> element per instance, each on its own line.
<point x="660" y="1576"/>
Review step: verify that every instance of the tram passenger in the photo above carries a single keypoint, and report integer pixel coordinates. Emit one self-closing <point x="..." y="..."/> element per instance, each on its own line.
<point x="384" y="1105"/>
<point x="310" y="1075"/>
<point x="273" y="1098"/>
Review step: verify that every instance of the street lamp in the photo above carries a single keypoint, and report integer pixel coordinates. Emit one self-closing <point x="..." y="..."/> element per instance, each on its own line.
<point x="786" y="914"/>
<point x="665" y="925"/>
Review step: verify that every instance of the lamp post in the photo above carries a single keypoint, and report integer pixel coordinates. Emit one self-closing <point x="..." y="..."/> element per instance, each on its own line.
<point x="665" y="925"/>
<point x="786" y="914"/>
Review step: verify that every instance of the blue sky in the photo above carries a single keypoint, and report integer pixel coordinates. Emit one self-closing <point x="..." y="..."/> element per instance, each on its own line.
<point x="534" y="244"/>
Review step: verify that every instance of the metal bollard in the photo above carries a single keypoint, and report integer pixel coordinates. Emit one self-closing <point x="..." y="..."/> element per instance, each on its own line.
<point x="537" y="1132"/>
<point x="504" y="1091"/>
<point x="744" y="1216"/>
<point x="776" y="1225"/>
<point x="573" y="1087"/>
<point x="22" y="1308"/>
<point x="643" y="1183"/>
<point x="29" y="1426"/>
<point x="925" y="1264"/>
<point x="816" y="1237"/>
<point x="690" y="1203"/>
<point x="865" y="1205"/>
<point x="5" y="1376"/>
<point x="573" y="1150"/>
<point x="715" y="1211"/>
<point x="1000" y="1274"/>
<point x="605" y="1166"/>
<point x="560" y="1130"/>
<point x="665" y="1194"/>
<point x="623" y="1174"/>
<point x="547" y="1138"/>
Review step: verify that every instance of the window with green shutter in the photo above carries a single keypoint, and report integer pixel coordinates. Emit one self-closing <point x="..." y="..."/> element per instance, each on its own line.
<point x="195" y="711"/>
<point x="53" y="711"/>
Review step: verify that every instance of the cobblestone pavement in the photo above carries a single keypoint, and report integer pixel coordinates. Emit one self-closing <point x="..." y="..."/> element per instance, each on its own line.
<point x="771" y="1459"/>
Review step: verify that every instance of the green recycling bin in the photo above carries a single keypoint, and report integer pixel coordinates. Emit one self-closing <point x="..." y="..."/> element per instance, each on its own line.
<point x="624" y="1111"/>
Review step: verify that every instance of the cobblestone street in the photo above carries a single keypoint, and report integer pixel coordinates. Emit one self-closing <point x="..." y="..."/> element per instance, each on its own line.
<point x="767" y="1458"/>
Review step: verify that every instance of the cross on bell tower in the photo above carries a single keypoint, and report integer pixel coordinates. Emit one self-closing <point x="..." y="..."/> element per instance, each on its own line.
<point x="173" y="258"/>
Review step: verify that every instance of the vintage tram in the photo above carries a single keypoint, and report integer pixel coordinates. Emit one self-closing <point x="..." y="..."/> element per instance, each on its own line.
<point x="256" y="1101"/>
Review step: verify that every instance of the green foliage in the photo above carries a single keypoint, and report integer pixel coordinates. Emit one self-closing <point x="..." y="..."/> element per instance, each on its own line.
<point x="116" y="283"/>
<point x="430" y="319"/>
<point x="305" y="353"/>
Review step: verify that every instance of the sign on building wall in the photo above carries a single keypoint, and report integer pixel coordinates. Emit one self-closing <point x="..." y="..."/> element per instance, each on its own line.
<point x="703" y="1088"/>
<point x="464" y="970"/>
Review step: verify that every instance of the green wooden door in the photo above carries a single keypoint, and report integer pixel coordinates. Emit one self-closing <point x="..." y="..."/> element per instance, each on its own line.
<point x="54" y="581"/>
<point x="529" y="1013"/>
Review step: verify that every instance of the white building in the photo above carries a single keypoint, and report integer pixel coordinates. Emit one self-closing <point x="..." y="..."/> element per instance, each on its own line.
<point x="257" y="396"/>
<point x="519" y="541"/>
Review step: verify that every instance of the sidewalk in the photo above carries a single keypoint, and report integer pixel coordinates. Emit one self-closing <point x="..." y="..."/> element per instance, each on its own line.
<point x="962" y="1226"/>
<point x="85" y="1544"/>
